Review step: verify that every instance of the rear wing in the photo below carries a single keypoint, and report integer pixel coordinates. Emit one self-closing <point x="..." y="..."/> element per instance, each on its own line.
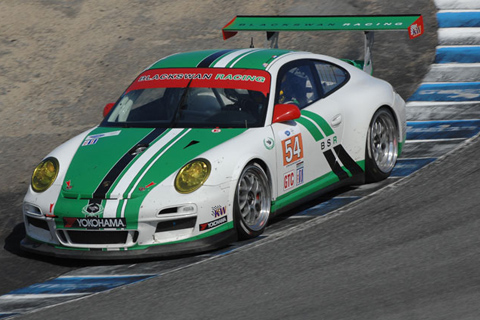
<point x="272" y="25"/>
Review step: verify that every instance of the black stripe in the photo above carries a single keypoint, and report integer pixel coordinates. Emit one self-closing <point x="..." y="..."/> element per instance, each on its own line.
<point x="205" y="63"/>
<point x="334" y="165"/>
<point x="347" y="161"/>
<point x="117" y="169"/>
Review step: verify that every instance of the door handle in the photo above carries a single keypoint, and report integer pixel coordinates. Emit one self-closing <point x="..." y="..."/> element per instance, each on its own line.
<point x="336" y="120"/>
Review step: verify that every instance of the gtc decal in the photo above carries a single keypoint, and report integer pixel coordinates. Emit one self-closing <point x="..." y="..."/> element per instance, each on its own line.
<point x="292" y="149"/>
<point x="289" y="180"/>
<point x="213" y="224"/>
<point x="293" y="178"/>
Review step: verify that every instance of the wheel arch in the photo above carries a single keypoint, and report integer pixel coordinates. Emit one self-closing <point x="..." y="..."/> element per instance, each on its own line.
<point x="265" y="168"/>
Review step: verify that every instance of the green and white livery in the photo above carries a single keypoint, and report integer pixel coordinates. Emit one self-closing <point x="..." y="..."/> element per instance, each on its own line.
<point x="204" y="147"/>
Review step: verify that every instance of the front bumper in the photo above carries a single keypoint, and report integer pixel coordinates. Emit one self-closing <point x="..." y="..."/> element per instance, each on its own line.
<point x="168" y="225"/>
<point x="155" y="251"/>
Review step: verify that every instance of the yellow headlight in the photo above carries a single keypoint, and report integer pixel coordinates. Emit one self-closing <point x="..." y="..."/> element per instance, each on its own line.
<point x="45" y="174"/>
<point x="192" y="176"/>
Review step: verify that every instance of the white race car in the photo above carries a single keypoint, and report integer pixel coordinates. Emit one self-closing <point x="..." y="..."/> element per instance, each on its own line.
<point x="204" y="147"/>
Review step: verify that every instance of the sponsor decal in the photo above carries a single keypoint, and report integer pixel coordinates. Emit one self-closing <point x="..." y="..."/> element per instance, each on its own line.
<point x="239" y="77"/>
<point x="373" y="24"/>
<point x="93" y="139"/>
<point x="257" y="80"/>
<point x="219" y="211"/>
<point x="51" y="207"/>
<point x="92" y="209"/>
<point x="269" y="143"/>
<point x="213" y="224"/>
<point x="176" y="76"/>
<point x="94" y="223"/>
<point x="286" y="133"/>
<point x="299" y="173"/>
<point x="415" y="30"/>
<point x="327" y="143"/>
<point x="69" y="185"/>
<point x="151" y="184"/>
<point x="216" y="130"/>
<point x="292" y="149"/>
<point x="293" y="178"/>
<point x="89" y="142"/>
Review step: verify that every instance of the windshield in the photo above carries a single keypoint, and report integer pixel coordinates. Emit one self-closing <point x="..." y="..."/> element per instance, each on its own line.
<point x="196" y="98"/>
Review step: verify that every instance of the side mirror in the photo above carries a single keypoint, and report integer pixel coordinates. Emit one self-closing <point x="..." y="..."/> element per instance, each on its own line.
<point x="107" y="109"/>
<point x="285" y="112"/>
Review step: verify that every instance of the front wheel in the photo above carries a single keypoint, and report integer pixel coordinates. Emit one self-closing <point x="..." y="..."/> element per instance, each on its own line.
<point x="252" y="202"/>
<point x="382" y="146"/>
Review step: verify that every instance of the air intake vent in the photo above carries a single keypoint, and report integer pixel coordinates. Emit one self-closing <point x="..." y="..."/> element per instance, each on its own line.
<point x="177" y="224"/>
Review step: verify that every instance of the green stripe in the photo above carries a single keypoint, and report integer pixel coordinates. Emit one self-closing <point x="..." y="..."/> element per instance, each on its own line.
<point x="172" y="160"/>
<point x="91" y="163"/>
<point x="320" y="121"/>
<point x="183" y="60"/>
<point x="259" y="59"/>
<point x="222" y="56"/>
<point x="150" y="161"/>
<point x="304" y="190"/>
<point x="309" y="188"/>
<point x="317" y="135"/>
<point x="361" y="163"/>
<point x="228" y="65"/>
<point x="125" y="170"/>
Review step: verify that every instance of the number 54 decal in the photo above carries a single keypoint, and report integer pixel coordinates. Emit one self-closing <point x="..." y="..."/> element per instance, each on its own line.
<point x="292" y="149"/>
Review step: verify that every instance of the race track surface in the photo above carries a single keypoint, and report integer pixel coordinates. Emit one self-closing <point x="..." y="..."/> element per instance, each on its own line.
<point x="408" y="251"/>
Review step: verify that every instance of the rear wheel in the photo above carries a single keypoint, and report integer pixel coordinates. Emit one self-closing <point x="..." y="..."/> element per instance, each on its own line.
<point x="252" y="202"/>
<point x="382" y="146"/>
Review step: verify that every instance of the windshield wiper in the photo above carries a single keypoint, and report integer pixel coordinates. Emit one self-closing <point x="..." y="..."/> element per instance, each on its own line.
<point x="181" y="105"/>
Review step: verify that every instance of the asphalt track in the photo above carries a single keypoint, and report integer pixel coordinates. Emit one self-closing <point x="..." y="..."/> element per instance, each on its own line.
<point x="409" y="251"/>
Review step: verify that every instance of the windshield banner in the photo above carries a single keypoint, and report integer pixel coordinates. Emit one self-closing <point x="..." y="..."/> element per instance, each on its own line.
<point x="248" y="79"/>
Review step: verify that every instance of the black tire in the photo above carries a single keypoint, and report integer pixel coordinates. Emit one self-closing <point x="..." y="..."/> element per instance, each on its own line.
<point x="252" y="202"/>
<point x="382" y="146"/>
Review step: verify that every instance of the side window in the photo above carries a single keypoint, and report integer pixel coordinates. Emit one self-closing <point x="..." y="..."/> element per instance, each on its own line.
<point x="296" y="84"/>
<point x="331" y="76"/>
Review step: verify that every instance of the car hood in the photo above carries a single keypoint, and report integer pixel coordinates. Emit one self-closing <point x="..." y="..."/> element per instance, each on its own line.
<point x="126" y="163"/>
